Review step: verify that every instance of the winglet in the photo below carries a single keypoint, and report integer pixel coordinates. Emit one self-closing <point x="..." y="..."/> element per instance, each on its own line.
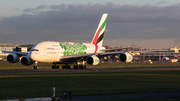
<point x="99" y="35"/>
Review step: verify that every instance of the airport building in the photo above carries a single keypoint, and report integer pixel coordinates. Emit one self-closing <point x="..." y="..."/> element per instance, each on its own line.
<point x="168" y="56"/>
<point x="157" y="55"/>
<point x="7" y="47"/>
<point x="13" y="47"/>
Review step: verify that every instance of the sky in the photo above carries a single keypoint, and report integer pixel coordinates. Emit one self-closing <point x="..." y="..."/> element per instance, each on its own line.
<point x="145" y="23"/>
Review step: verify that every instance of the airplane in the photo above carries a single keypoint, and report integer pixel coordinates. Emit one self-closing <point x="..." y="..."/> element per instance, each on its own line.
<point x="68" y="53"/>
<point x="176" y="50"/>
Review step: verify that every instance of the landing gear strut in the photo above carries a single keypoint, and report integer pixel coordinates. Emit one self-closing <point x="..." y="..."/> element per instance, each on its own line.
<point x="80" y="65"/>
<point x="35" y="65"/>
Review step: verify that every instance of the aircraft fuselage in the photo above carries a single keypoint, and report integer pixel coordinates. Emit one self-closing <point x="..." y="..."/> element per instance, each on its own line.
<point x="51" y="51"/>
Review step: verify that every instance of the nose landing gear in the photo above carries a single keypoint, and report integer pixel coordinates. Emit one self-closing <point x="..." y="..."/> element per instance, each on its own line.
<point x="35" y="65"/>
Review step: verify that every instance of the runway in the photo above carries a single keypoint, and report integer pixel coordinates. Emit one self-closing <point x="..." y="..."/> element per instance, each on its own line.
<point x="91" y="69"/>
<point x="164" y="95"/>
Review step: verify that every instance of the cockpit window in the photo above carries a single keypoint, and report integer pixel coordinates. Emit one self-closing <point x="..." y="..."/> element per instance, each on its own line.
<point x="35" y="50"/>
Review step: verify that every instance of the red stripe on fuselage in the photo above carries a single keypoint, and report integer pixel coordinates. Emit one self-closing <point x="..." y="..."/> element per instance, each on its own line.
<point x="96" y="48"/>
<point x="96" y="36"/>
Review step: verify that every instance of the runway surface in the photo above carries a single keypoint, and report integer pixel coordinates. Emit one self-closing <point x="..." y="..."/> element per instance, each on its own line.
<point x="92" y="69"/>
<point x="164" y="95"/>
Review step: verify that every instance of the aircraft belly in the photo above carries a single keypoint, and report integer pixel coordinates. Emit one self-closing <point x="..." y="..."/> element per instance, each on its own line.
<point x="68" y="60"/>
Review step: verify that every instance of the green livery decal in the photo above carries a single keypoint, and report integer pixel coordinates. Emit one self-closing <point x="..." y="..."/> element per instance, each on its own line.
<point x="73" y="48"/>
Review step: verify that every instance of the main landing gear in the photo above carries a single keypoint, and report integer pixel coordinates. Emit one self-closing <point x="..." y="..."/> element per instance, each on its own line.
<point x="79" y="66"/>
<point x="75" y="67"/>
<point x="54" y="66"/>
<point x="67" y="66"/>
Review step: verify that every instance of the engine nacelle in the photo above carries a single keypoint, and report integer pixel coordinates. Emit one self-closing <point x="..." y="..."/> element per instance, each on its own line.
<point x="92" y="60"/>
<point x="13" y="58"/>
<point x="26" y="61"/>
<point x="126" y="57"/>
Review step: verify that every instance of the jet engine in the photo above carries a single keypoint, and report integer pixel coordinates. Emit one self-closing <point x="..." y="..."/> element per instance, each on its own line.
<point x="26" y="61"/>
<point x="13" y="58"/>
<point x="92" y="60"/>
<point x="126" y="57"/>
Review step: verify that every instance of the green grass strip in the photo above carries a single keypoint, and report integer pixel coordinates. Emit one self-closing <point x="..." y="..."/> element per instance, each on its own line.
<point x="30" y="85"/>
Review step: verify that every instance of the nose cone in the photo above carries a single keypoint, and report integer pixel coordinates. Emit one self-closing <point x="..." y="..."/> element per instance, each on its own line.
<point x="34" y="54"/>
<point x="35" y="51"/>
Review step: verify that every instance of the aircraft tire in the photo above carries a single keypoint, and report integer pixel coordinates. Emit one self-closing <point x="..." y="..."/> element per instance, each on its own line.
<point x="55" y="67"/>
<point x="76" y="66"/>
<point x="35" y="67"/>
<point x="82" y="67"/>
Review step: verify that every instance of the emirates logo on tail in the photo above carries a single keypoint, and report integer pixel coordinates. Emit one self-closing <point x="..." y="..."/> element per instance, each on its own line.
<point x="99" y="35"/>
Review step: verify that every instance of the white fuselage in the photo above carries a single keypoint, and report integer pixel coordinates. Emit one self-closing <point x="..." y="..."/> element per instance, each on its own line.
<point x="51" y="51"/>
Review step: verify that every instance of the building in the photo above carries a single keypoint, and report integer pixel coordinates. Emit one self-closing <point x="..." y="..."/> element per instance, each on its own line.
<point x="7" y="47"/>
<point x="154" y="55"/>
<point x="13" y="47"/>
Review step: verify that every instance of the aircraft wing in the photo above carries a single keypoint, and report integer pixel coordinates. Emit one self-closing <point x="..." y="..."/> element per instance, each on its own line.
<point x="143" y="51"/>
<point x="109" y="53"/>
<point x="74" y="58"/>
<point x="122" y="52"/>
<point x="18" y="53"/>
<point x="116" y="49"/>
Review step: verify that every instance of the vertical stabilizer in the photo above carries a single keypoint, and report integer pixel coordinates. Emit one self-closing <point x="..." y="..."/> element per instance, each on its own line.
<point x="99" y="35"/>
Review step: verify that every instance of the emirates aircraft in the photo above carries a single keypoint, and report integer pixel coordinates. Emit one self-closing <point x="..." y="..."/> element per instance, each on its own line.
<point x="68" y="53"/>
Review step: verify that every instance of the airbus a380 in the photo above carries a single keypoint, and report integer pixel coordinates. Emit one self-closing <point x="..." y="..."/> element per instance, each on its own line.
<point x="68" y="52"/>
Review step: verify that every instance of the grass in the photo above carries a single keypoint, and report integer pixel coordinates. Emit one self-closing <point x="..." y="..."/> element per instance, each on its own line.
<point x="29" y="85"/>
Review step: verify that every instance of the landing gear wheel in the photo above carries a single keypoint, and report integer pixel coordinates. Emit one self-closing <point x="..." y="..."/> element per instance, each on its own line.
<point x="55" y="67"/>
<point x="76" y="67"/>
<point x="82" y="67"/>
<point x="79" y="66"/>
<point x="35" y="67"/>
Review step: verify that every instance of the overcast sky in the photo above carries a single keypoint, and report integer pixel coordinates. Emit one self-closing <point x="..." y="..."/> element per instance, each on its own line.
<point x="146" y="23"/>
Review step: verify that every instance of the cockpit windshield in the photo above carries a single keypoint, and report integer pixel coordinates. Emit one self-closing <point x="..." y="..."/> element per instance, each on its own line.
<point x="35" y="50"/>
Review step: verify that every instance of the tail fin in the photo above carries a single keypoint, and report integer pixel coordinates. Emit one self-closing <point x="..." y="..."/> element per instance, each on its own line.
<point x="99" y="35"/>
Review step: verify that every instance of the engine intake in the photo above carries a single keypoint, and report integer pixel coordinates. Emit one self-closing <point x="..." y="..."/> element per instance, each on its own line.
<point x="26" y="61"/>
<point x="92" y="60"/>
<point x="126" y="57"/>
<point x="13" y="58"/>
